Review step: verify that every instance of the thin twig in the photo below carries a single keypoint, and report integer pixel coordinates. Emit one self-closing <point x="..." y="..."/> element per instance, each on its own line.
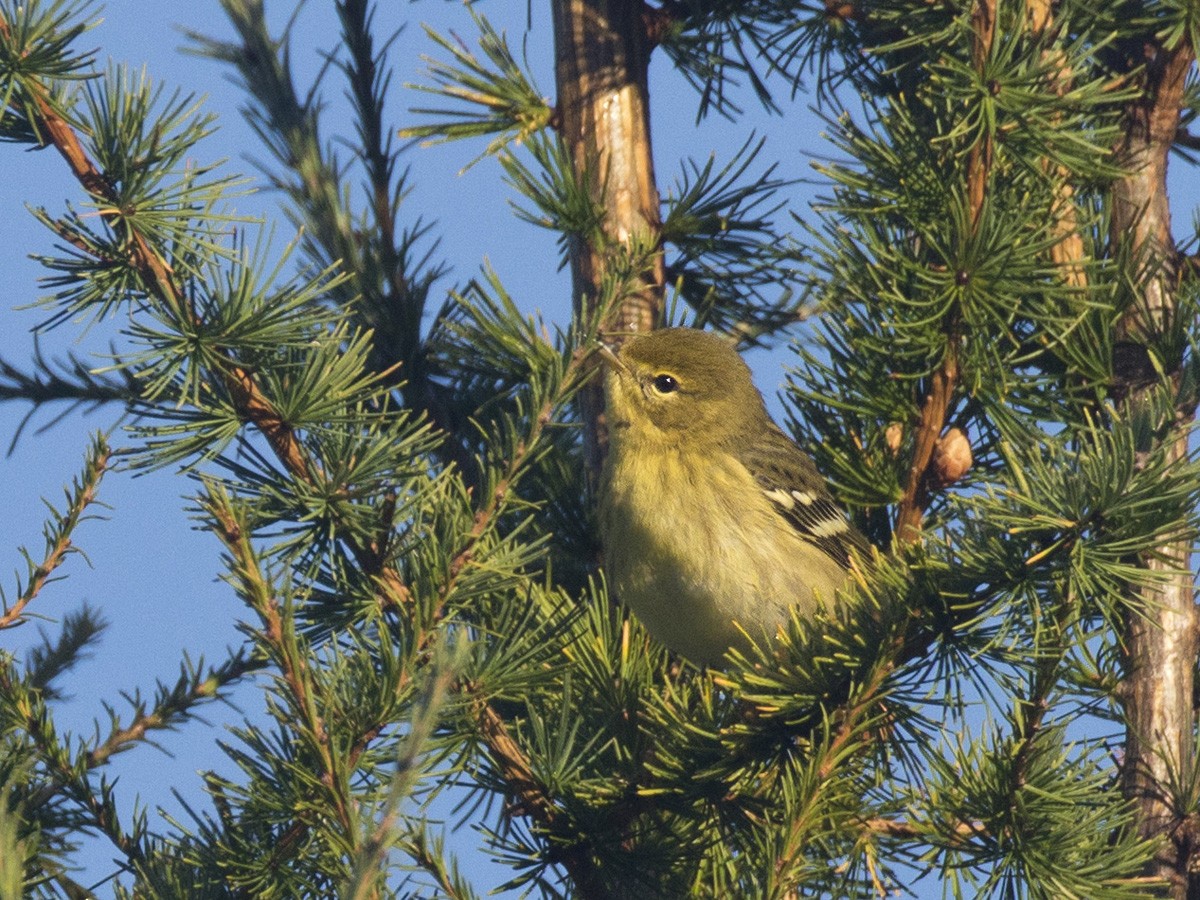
<point x="83" y="497"/>
<point x="907" y="831"/>
<point x="276" y="634"/>
<point x="65" y="773"/>
<point x="532" y="798"/>
<point x="942" y="383"/>
<point x="159" y="279"/>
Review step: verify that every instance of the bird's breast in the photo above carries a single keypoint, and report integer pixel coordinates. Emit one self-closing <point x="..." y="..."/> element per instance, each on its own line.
<point x="699" y="553"/>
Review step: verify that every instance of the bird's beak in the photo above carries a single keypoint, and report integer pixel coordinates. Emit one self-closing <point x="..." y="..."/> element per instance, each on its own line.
<point x="609" y="356"/>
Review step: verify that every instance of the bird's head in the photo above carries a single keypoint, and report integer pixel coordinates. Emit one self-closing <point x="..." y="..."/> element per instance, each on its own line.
<point x="676" y="383"/>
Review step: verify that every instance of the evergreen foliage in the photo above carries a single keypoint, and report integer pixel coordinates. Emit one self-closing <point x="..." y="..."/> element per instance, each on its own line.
<point x="398" y="489"/>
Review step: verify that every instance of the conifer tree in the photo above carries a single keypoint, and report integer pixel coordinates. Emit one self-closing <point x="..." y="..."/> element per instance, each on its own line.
<point x="994" y="329"/>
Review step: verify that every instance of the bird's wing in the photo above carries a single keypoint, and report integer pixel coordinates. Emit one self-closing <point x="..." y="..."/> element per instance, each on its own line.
<point x="792" y="483"/>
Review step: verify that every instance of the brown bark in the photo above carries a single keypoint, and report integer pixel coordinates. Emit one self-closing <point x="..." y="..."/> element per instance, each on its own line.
<point x="935" y="410"/>
<point x="1068" y="253"/>
<point x="942" y="382"/>
<point x="1161" y="642"/>
<point x="602" y="52"/>
<point x="531" y="798"/>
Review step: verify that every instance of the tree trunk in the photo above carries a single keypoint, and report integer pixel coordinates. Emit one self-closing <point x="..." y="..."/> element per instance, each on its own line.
<point x="1161" y="642"/>
<point x="602" y="53"/>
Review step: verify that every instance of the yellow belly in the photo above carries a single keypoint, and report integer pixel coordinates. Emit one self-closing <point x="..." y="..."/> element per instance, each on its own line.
<point x="698" y="573"/>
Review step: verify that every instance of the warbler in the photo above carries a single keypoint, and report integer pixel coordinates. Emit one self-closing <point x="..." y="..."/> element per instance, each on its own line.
<point x="715" y="524"/>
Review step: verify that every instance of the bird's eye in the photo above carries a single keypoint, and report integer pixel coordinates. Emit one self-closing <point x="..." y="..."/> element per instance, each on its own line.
<point x="665" y="384"/>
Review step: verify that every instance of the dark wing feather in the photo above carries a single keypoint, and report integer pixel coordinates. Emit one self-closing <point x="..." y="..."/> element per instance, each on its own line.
<point x="791" y="481"/>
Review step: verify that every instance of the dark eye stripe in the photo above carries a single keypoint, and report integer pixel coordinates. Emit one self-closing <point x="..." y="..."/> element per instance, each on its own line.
<point x="665" y="384"/>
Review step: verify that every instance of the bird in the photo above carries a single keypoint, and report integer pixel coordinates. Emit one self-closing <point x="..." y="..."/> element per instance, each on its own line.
<point x="715" y="525"/>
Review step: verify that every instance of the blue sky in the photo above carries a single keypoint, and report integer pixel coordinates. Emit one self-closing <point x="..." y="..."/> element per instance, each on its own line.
<point x="154" y="577"/>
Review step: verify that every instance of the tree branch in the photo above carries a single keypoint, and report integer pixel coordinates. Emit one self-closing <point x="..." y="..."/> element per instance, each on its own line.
<point x="943" y="381"/>
<point x="279" y="636"/>
<point x="533" y="799"/>
<point x="59" y="537"/>
<point x="71" y="774"/>
<point x="1068" y="252"/>
<point x="1160" y="640"/>
<point x="1184" y="138"/>
<point x="907" y="831"/>
<point x="159" y="279"/>
<point x="659" y="20"/>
